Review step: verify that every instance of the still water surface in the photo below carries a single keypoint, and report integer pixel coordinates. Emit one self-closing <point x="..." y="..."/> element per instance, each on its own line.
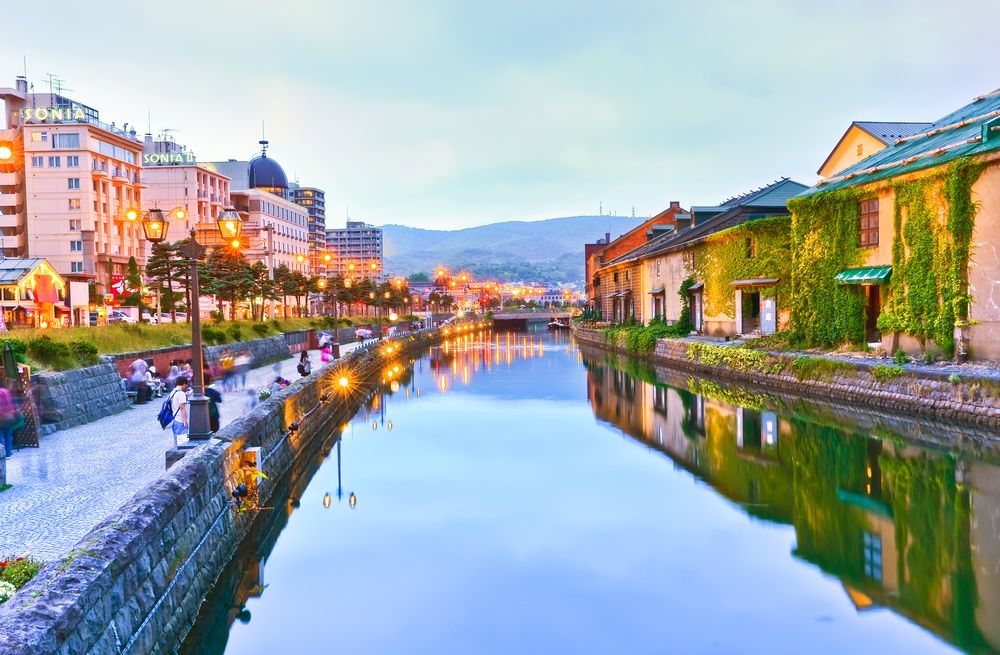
<point x="516" y="494"/>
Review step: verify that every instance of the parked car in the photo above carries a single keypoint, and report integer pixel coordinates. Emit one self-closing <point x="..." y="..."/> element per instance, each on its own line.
<point x="121" y="317"/>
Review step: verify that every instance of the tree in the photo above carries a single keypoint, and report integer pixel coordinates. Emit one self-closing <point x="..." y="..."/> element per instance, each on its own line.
<point x="261" y="289"/>
<point x="419" y="277"/>
<point x="228" y="277"/>
<point x="133" y="282"/>
<point x="164" y="267"/>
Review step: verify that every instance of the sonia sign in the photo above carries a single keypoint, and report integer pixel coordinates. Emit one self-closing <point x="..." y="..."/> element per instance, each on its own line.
<point x="168" y="158"/>
<point x="50" y="114"/>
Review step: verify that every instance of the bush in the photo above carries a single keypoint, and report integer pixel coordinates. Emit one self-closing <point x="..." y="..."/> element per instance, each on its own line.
<point x="900" y="358"/>
<point x="276" y="324"/>
<point x="212" y="336"/>
<point x="235" y="333"/>
<point x="20" y="348"/>
<point x="216" y="316"/>
<point x="51" y="353"/>
<point x="260" y="329"/>
<point x="18" y="571"/>
<point x="84" y="352"/>
<point x="954" y="378"/>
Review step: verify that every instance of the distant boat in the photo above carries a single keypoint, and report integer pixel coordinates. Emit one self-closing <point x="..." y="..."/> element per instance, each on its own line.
<point x="556" y="325"/>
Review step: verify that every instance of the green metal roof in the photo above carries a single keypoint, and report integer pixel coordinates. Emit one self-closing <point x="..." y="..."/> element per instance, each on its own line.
<point x="867" y="275"/>
<point x="923" y="152"/>
<point x="13" y="269"/>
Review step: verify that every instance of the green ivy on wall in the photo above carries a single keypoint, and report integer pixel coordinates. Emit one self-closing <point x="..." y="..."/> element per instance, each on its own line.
<point x="933" y="220"/>
<point x="725" y="258"/>
<point x="825" y="242"/>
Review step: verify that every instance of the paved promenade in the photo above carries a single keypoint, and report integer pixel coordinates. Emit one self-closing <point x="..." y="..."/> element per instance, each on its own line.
<point x="78" y="476"/>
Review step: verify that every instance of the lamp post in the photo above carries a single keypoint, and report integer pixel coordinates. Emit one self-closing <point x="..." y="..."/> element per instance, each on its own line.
<point x="155" y="226"/>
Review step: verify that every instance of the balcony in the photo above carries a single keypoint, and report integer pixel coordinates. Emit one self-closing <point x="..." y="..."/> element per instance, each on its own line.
<point x="99" y="171"/>
<point x="11" y="200"/>
<point x="16" y="242"/>
<point x="9" y="179"/>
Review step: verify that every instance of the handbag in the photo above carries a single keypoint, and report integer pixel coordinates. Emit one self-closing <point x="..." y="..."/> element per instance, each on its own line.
<point x="19" y="421"/>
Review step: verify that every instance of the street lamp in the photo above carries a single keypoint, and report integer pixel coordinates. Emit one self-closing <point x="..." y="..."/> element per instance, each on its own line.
<point x="230" y="227"/>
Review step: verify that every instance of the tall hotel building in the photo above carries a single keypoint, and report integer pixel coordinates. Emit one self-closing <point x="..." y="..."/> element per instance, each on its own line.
<point x="178" y="184"/>
<point x="313" y="200"/>
<point x="276" y="230"/>
<point x="70" y="188"/>
<point x="359" y="244"/>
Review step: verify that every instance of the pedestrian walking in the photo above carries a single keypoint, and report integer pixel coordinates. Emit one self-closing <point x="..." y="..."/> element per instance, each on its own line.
<point x="178" y="405"/>
<point x="242" y="365"/>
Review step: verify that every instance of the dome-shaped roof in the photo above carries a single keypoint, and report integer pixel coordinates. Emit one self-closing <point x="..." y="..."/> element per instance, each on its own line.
<point x="266" y="173"/>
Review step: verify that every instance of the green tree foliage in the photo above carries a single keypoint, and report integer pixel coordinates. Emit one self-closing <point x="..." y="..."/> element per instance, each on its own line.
<point x="227" y="276"/>
<point x="164" y="268"/>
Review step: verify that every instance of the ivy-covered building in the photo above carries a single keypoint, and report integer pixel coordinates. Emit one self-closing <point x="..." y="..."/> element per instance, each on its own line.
<point x="729" y="264"/>
<point x="900" y="249"/>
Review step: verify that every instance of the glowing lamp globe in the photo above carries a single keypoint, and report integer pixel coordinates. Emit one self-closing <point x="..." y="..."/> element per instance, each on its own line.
<point x="154" y="225"/>
<point x="230" y="225"/>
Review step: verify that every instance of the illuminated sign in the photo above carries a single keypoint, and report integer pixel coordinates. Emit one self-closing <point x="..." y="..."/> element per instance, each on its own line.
<point x="50" y="114"/>
<point x="168" y="158"/>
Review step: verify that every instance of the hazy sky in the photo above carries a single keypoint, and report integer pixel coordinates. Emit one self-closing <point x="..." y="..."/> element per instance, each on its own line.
<point x="450" y="113"/>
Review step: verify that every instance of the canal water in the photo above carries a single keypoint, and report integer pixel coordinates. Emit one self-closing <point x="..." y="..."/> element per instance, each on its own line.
<point x="517" y="493"/>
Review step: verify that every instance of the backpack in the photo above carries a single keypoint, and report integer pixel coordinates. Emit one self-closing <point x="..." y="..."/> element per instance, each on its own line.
<point x="166" y="415"/>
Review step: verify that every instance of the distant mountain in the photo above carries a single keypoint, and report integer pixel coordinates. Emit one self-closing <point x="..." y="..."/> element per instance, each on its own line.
<point x="549" y="251"/>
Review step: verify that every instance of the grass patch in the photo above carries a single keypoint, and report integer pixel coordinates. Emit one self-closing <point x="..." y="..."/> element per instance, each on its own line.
<point x="737" y="358"/>
<point x="883" y="373"/>
<point x="816" y="368"/>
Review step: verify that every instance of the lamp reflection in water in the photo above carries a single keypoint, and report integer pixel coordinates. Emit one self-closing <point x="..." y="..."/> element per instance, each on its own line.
<point x="352" y="499"/>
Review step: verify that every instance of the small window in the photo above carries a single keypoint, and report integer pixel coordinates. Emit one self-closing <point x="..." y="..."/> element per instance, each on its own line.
<point x="616" y="276"/>
<point x="73" y="161"/>
<point x="76" y="246"/>
<point x="76" y="267"/>
<point x="869" y="223"/>
<point x="873" y="556"/>
<point x="74" y="224"/>
<point x="66" y="140"/>
<point x="38" y="162"/>
<point x="73" y="183"/>
<point x="751" y="248"/>
<point x="54" y="162"/>
<point x="74" y="204"/>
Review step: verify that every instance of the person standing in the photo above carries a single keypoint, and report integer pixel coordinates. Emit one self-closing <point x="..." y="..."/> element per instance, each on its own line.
<point x="214" y="398"/>
<point x="178" y="406"/>
<point x="305" y="366"/>
<point x="8" y="415"/>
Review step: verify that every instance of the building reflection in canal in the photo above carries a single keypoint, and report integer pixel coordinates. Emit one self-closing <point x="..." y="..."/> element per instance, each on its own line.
<point x="914" y="529"/>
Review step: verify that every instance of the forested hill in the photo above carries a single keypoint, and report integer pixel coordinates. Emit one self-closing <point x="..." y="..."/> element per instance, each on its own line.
<point x="549" y="251"/>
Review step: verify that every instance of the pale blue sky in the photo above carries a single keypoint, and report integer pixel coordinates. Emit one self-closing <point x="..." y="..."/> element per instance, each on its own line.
<point x="444" y="113"/>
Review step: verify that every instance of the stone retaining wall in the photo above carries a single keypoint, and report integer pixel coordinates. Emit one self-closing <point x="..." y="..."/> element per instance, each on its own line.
<point x="970" y="400"/>
<point x="135" y="582"/>
<point x="70" y="398"/>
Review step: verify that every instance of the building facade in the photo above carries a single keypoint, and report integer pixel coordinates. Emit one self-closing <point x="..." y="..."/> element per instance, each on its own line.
<point x="72" y="192"/>
<point x="356" y="247"/>
<point x="313" y="200"/>
<point x="175" y="181"/>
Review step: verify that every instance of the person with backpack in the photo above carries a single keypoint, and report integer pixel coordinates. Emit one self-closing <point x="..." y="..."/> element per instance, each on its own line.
<point x="305" y="366"/>
<point x="8" y="416"/>
<point x="174" y="409"/>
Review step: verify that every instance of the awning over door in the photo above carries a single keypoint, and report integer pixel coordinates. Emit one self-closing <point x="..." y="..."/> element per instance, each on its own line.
<point x="656" y="292"/>
<point x="867" y="275"/>
<point x="756" y="282"/>
<point x="696" y="286"/>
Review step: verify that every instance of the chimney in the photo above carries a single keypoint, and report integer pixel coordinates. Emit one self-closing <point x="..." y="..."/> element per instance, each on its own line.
<point x="22" y="84"/>
<point x="607" y="237"/>
<point x="675" y="204"/>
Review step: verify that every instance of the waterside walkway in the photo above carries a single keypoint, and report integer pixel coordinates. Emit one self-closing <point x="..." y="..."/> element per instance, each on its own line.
<point x="78" y="476"/>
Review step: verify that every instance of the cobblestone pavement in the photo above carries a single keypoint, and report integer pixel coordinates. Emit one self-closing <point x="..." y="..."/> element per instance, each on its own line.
<point x="78" y="476"/>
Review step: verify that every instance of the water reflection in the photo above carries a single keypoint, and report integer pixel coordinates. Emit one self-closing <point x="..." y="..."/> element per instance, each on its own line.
<point x="904" y="527"/>
<point x="474" y="504"/>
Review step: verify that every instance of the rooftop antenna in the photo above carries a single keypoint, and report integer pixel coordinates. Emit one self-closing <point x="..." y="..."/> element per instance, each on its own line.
<point x="263" y="141"/>
<point x="600" y="208"/>
<point x="633" y="211"/>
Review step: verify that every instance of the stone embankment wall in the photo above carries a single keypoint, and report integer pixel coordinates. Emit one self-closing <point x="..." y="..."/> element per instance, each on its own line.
<point x="72" y="398"/>
<point x="135" y="582"/>
<point x="972" y="399"/>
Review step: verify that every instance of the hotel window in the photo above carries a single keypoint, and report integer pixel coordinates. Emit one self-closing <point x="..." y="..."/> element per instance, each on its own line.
<point x="54" y="162"/>
<point x="73" y="161"/>
<point x="76" y="267"/>
<point x="73" y="183"/>
<point x="74" y="204"/>
<point x="74" y="224"/>
<point x="76" y="246"/>
<point x="38" y="162"/>
<point x="869" y="223"/>
<point x="39" y="136"/>
<point x="66" y="140"/>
